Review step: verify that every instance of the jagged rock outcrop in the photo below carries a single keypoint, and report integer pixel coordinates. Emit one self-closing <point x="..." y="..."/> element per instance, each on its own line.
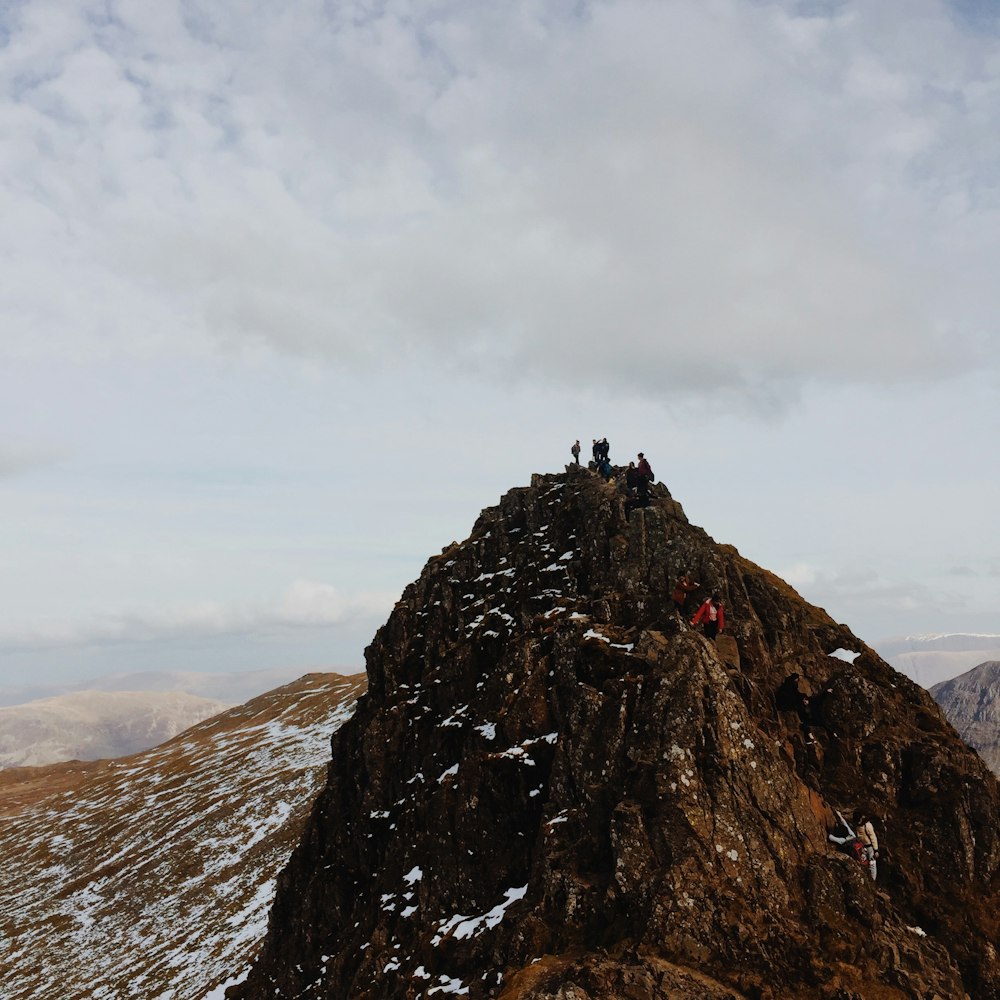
<point x="555" y="788"/>
<point x="971" y="704"/>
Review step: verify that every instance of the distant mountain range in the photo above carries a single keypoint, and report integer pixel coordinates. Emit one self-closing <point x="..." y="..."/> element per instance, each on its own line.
<point x="152" y="876"/>
<point x="118" y="714"/>
<point x="932" y="658"/>
<point x="231" y="688"/>
<point x="89" y="725"/>
<point x="972" y="704"/>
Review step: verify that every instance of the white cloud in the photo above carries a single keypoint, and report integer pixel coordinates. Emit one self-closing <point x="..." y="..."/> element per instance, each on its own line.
<point x="867" y="600"/>
<point x="727" y="198"/>
<point x="17" y="457"/>
<point x="799" y="575"/>
<point x="631" y="206"/>
<point x="305" y="604"/>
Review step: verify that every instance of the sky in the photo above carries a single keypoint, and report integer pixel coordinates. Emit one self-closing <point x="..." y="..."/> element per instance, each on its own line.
<point x="289" y="293"/>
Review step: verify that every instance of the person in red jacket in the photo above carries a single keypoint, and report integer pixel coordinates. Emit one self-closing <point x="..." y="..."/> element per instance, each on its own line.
<point x="643" y="476"/>
<point x="713" y="615"/>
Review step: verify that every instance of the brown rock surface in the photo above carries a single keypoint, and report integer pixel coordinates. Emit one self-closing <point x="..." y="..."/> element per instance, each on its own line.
<point x="555" y="788"/>
<point x="971" y="703"/>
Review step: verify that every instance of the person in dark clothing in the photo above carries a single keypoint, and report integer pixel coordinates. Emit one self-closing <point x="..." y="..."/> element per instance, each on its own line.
<point x="596" y="451"/>
<point x="575" y="450"/>
<point x="635" y="490"/>
<point x="790" y="693"/>
<point x="713" y="615"/>
<point x="683" y="588"/>
<point x="634" y="502"/>
<point x="793" y="696"/>
<point x="644" y="477"/>
<point x="604" y="468"/>
<point x="605" y="449"/>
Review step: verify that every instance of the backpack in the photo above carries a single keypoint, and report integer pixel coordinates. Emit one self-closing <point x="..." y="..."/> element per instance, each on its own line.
<point x="858" y="852"/>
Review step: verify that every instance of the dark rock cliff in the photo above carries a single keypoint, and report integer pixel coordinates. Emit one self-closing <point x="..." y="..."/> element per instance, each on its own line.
<point x="556" y="788"/>
<point x="971" y="703"/>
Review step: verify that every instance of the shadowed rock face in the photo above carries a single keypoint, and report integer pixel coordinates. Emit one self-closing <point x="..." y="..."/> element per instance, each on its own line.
<point x="557" y="789"/>
<point x="971" y="703"/>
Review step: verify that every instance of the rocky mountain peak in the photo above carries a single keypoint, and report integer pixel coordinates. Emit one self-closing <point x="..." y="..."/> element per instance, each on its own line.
<point x="556" y="787"/>
<point x="971" y="703"/>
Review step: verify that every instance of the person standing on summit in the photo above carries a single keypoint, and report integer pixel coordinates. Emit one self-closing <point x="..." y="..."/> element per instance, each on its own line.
<point x="713" y="615"/>
<point x="632" y="477"/>
<point x="575" y="450"/>
<point x="645" y="474"/>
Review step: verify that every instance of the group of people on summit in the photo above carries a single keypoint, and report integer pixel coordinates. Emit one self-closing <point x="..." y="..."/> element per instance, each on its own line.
<point x="636" y="479"/>
<point x="600" y="449"/>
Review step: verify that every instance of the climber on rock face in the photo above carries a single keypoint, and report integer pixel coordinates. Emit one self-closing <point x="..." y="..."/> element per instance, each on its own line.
<point x="683" y="588"/>
<point x="869" y="840"/>
<point x="862" y="838"/>
<point x="604" y="468"/>
<point x="713" y="616"/>
<point x="575" y="451"/>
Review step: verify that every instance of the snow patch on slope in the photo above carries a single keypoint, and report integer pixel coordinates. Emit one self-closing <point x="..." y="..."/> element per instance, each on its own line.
<point x="154" y="877"/>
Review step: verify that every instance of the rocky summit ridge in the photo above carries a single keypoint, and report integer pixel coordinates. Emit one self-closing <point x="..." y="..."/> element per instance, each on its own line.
<point x="555" y="788"/>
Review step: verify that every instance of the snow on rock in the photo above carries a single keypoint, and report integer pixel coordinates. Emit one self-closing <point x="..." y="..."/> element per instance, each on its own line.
<point x="594" y="634"/>
<point x="449" y="985"/>
<point x="845" y="654"/>
<point x="460" y="926"/>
